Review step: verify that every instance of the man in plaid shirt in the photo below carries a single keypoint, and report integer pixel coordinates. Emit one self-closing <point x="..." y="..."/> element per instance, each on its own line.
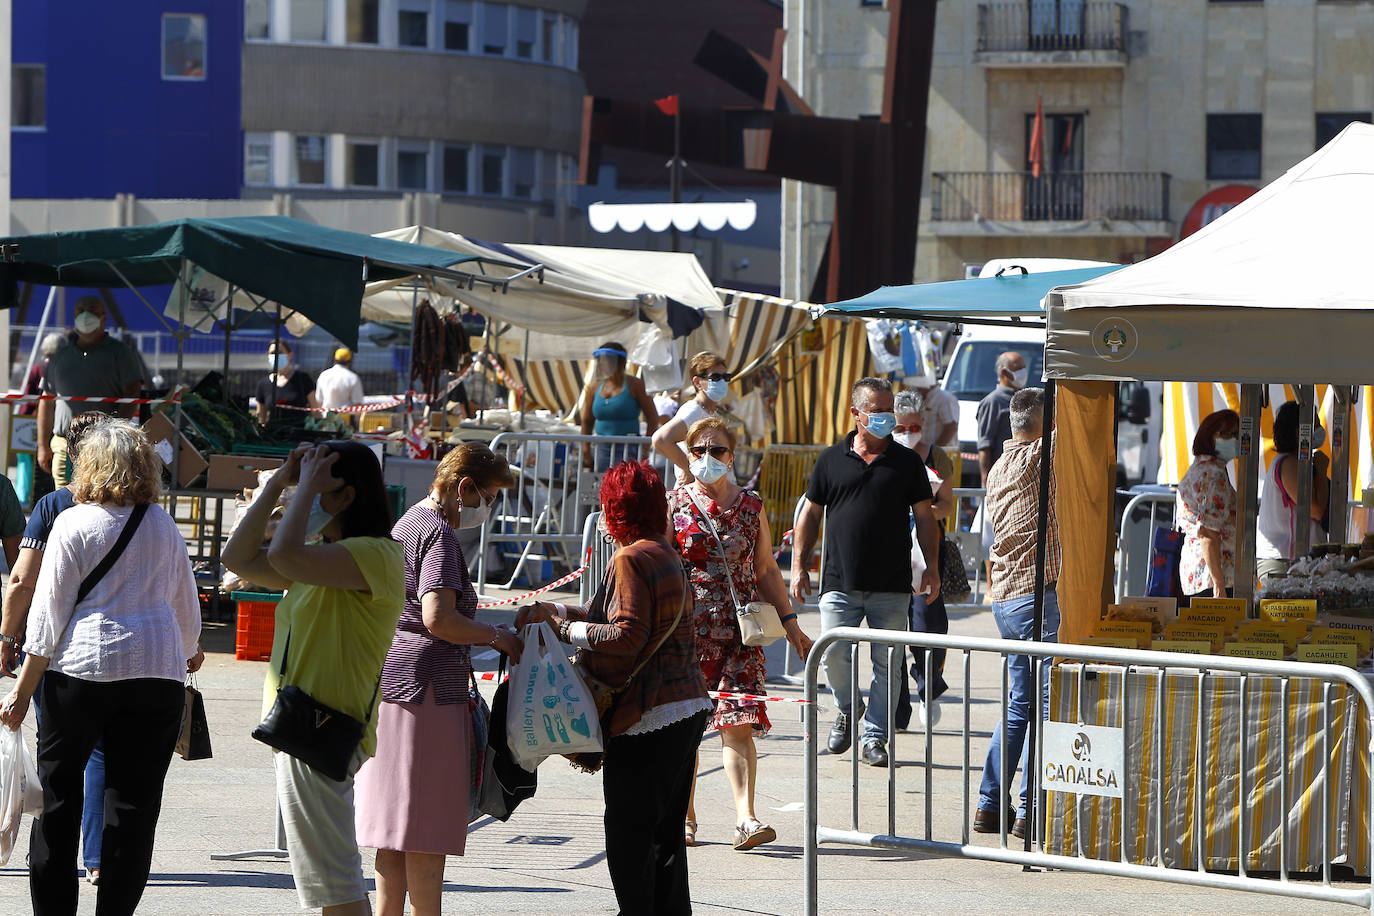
<point x="1013" y="505"/>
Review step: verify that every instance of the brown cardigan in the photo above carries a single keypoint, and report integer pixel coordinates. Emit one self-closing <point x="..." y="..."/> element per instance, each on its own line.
<point x="632" y="608"/>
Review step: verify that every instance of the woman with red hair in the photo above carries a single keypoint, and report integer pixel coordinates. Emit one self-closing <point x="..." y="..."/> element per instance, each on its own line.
<point x="1206" y="509"/>
<point x="642" y="612"/>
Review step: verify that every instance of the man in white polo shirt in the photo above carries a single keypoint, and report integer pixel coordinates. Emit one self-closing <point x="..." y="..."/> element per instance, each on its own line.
<point x="339" y="386"/>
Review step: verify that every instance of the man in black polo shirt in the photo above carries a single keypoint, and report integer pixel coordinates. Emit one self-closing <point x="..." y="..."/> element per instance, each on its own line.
<point x="870" y="487"/>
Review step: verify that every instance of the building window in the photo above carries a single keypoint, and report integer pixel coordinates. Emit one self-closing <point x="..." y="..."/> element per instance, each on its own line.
<point x="412" y="169"/>
<point x="1331" y="123"/>
<point x="257" y="159"/>
<point x="549" y="51"/>
<point x="28" y="95"/>
<point x="522" y="174"/>
<point x="495" y="28"/>
<point x="493" y="170"/>
<point x="257" y="19"/>
<point x="363" y="165"/>
<point x="526" y="32"/>
<point x="412" y="24"/>
<point x="308" y="166"/>
<point x="570" y="44"/>
<point x="870" y="2"/>
<point x="183" y="46"/>
<point x="1233" y="146"/>
<point x="309" y="19"/>
<point x="458" y="25"/>
<point x="361" y="23"/>
<point x="456" y="179"/>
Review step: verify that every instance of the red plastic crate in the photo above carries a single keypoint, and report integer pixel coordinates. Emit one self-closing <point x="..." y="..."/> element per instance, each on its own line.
<point x="257" y="619"/>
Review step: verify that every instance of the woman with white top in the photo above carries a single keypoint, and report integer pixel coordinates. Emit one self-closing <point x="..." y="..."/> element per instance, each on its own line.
<point x="116" y="648"/>
<point x="1276" y="525"/>
<point x="711" y="380"/>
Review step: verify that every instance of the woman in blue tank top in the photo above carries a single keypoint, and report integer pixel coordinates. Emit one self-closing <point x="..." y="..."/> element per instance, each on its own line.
<point x="613" y="406"/>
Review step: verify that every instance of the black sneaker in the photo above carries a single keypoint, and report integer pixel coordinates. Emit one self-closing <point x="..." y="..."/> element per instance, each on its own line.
<point x="874" y="752"/>
<point x="840" y="737"/>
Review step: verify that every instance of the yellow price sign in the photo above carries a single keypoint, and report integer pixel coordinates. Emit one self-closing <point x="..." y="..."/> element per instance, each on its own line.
<point x="1112" y="642"/>
<point x="1254" y="650"/>
<point x="1225" y="611"/>
<point x="1329" y="634"/>
<point x="1267" y="631"/>
<point x="1190" y="646"/>
<point x="1138" y="630"/>
<point x="1166" y="608"/>
<point x="1354" y="625"/>
<point x="1329" y="654"/>
<point x="1288" y="608"/>
<point x="1214" y="635"/>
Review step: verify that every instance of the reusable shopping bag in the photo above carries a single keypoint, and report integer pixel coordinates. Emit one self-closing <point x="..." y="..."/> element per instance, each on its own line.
<point x="20" y="792"/>
<point x="550" y="709"/>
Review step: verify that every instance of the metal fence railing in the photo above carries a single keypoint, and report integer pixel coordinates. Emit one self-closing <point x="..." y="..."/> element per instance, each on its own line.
<point x="1128" y="564"/>
<point x="1066" y="196"/>
<point x="597" y="550"/>
<point x="1052" y="26"/>
<point x="1230" y="773"/>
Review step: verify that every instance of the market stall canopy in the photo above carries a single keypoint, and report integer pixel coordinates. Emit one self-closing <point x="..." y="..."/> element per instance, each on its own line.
<point x="1271" y="289"/>
<point x="1014" y="296"/>
<point x="313" y="270"/>
<point x="586" y="293"/>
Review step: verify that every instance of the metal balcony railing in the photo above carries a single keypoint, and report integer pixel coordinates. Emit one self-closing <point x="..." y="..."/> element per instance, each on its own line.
<point x="1052" y="25"/>
<point x="1068" y="196"/>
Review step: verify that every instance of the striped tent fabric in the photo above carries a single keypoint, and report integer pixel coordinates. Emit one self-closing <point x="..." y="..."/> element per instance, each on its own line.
<point x="1186" y="404"/>
<point x="813" y="396"/>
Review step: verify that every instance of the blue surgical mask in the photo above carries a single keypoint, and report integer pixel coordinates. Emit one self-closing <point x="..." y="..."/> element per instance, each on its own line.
<point x="717" y="389"/>
<point x="277" y="362"/>
<point x="1227" y="449"/>
<point x="881" y="424"/>
<point x="318" y="519"/>
<point x="708" y="469"/>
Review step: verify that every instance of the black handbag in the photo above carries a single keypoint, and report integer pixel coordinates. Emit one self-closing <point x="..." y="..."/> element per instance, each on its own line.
<point x="954" y="586"/>
<point x="505" y="783"/>
<point x="315" y="734"/>
<point x="194" y="741"/>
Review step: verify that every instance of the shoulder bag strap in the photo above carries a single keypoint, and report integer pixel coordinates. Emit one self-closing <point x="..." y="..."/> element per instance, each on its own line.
<point x="686" y="591"/>
<point x="125" y="536"/>
<point x="711" y="526"/>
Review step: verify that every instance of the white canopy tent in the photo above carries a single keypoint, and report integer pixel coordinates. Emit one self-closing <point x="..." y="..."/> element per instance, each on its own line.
<point x="1272" y="290"/>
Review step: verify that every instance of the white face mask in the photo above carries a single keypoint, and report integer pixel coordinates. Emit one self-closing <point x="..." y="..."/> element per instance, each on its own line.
<point x="474" y="516"/>
<point x="1227" y="449"/>
<point x="910" y="440"/>
<point x="277" y="362"/>
<point x="88" y="323"/>
<point x="1020" y="377"/>
<point x="708" y="469"/>
<point x="318" y="519"/>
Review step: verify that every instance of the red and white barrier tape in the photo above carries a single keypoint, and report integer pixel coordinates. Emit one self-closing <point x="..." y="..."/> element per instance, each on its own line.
<point x="575" y="574"/>
<point x="786" y="539"/>
<point x="715" y="694"/>
<point x="31" y="398"/>
<point x="395" y="401"/>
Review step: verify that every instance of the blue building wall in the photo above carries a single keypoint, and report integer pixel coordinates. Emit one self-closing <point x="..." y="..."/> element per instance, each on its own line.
<point x="114" y="125"/>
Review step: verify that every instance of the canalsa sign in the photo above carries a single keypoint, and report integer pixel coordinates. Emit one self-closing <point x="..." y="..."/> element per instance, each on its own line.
<point x="1082" y="759"/>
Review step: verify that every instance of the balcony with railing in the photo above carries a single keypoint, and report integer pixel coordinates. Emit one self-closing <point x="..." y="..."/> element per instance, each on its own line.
<point x="1060" y="203"/>
<point x="1052" y="33"/>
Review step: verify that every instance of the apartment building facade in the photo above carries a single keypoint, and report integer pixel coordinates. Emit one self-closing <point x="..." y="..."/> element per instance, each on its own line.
<point x="1147" y="107"/>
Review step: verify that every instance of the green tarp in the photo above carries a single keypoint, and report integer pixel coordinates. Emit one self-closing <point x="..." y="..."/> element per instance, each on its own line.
<point x="1012" y="295"/>
<point x="306" y="268"/>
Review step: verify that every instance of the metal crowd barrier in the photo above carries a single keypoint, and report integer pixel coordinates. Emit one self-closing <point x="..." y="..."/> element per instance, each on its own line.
<point x="970" y="540"/>
<point x="597" y="550"/>
<point x="1134" y="666"/>
<point x="1124" y="565"/>
<point x="551" y="498"/>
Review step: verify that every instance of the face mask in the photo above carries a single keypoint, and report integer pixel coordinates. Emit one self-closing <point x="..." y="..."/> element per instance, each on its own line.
<point x="474" y="516"/>
<point x="1318" y="437"/>
<point x="277" y="362"/>
<point x="318" y="519"/>
<point x="708" y="469"/>
<point x="1228" y="449"/>
<point x="1019" y="377"/>
<point x="881" y="424"/>
<point x="88" y="323"/>
<point x="910" y="440"/>
<point x="717" y="390"/>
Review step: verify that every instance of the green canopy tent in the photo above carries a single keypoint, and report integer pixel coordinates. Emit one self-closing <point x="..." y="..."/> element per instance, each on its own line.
<point x="1006" y="299"/>
<point x="314" y="270"/>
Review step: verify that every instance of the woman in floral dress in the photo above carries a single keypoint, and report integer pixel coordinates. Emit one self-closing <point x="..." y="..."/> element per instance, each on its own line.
<point x="1206" y="509"/>
<point x="726" y="663"/>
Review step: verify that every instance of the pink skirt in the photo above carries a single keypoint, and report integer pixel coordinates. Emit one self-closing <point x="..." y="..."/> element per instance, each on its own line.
<point x="414" y="795"/>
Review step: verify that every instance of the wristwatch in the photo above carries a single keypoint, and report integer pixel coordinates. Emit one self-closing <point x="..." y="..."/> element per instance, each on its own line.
<point x="9" y="640"/>
<point x="562" y="627"/>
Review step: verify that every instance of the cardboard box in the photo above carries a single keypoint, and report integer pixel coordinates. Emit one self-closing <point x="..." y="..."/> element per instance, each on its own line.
<point x="237" y="472"/>
<point x="161" y="432"/>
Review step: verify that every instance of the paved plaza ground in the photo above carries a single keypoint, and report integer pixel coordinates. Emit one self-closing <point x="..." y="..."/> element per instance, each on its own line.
<point x="549" y="858"/>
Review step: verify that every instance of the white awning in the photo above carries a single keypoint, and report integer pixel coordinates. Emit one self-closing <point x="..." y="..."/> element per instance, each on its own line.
<point x="709" y="215"/>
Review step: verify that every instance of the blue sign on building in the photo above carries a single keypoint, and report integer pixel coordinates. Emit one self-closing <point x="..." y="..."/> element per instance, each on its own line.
<point x="135" y="96"/>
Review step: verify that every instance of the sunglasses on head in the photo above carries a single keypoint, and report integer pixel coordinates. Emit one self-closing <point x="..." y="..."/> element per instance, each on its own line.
<point x="715" y="451"/>
<point x="717" y="377"/>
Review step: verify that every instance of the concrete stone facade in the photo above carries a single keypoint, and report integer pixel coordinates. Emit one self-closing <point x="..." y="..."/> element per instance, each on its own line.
<point x="1144" y="111"/>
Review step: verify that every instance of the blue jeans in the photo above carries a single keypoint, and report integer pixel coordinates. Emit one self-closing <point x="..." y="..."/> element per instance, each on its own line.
<point x="1015" y="620"/>
<point x="93" y="806"/>
<point x="883" y="611"/>
<point x="929" y="617"/>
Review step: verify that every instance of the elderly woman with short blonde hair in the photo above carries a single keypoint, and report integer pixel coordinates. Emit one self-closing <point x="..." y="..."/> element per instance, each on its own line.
<point x="112" y="645"/>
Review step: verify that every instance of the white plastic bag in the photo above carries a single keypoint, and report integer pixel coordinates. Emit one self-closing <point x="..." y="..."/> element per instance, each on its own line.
<point x="20" y="792"/>
<point x="550" y="710"/>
